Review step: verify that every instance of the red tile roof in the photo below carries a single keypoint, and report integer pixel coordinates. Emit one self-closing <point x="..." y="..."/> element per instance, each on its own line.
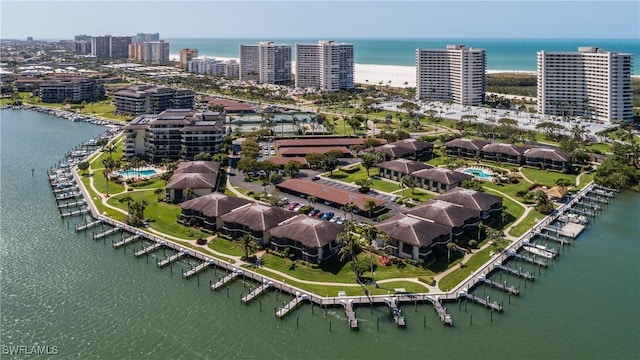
<point x="328" y="193"/>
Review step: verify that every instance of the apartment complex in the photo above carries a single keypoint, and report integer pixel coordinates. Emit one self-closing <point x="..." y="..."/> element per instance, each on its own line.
<point x="154" y="52"/>
<point x="110" y="46"/>
<point x="145" y="99"/>
<point x="145" y="37"/>
<point x="327" y="66"/>
<point x="174" y="134"/>
<point x="592" y="83"/>
<point x="75" y="90"/>
<point x="212" y="66"/>
<point x="455" y="74"/>
<point x="266" y="63"/>
<point x="187" y="55"/>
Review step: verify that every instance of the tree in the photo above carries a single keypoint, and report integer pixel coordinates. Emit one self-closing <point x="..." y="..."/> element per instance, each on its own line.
<point x="159" y="193"/>
<point x="203" y="156"/>
<point x="312" y="200"/>
<point x="187" y="193"/>
<point x="472" y="184"/>
<point x="350" y="247"/>
<point x="292" y="168"/>
<point x="109" y="166"/>
<point x="370" y="143"/>
<point x="450" y="245"/>
<point x="407" y="181"/>
<point x="368" y="161"/>
<point x="348" y="207"/>
<point x="615" y="173"/>
<point x="109" y="148"/>
<point x="128" y="200"/>
<point x="314" y="159"/>
<point x="329" y="164"/>
<point x="247" y="164"/>
<point x="563" y="182"/>
<point x="83" y="166"/>
<point x="370" y="205"/>
<point x="354" y="122"/>
<point x="249" y="245"/>
<point x="364" y="184"/>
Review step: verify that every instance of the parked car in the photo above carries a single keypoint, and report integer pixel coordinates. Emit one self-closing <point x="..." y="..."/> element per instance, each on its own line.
<point x="340" y="220"/>
<point x="314" y="212"/>
<point x="273" y="152"/>
<point x="315" y="178"/>
<point x="292" y="205"/>
<point x="319" y="215"/>
<point x="327" y="216"/>
<point x="334" y="219"/>
<point x="298" y="207"/>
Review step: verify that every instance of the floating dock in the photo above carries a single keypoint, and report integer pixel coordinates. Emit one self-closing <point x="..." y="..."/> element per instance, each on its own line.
<point x="148" y="249"/>
<point x="500" y="286"/>
<point x="291" y="305"/>
<point x="484" y="302"/>
<point x="512" y="271"/>
<point x="72" y="204"/>
<point x="126" y="241"/>
<point x="531" y="260"/>
<point x="74" y="213"/>
<point x="398" y="318"/>
<point x="175" y="257"/>
<point x="257" y="292"/>
<point x="222" y="282"/>
<point x="548" y="236"/>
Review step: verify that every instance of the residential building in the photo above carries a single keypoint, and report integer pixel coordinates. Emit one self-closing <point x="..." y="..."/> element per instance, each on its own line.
<point x="327" y="65"/>
<point x="501" y="152"/>
<point x="174" y="134"/>
<point x="274" y="63"/>
<point x="75" y="90"/>
<point x="469" y="148"/>
<point x="144" y="99"/>
<point x="254" y="220"/>
<point x="413" y="148"/>
<point x="154" y="52"/>
<point x="199" y="177"/>
<point x="205" y="211"/>
<point x="212" y="66"/>
<point x="249" y="63"/>
<point x="454" y="216"/>
<point x="396" y="169"/>
<point x="591" y="82"/>
<point x="439" y="179"/>
<point x="108" y="46"/>
<point x="145" y="37"/>
<point x="413" y="237"/>
<point x="309" y="239"/>
<point x="455" y="74"/>
<point x="186" y="55"/>
<point x="547" y="158"/>
<point x="490" y="206"/>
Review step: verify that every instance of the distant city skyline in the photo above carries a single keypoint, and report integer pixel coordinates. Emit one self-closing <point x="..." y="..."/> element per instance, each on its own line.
<point x="322" y="19"/>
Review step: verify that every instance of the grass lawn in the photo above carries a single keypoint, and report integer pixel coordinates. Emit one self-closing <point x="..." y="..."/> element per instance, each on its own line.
<point x="513" y="210"/>
<point x="452" y="279"/>
<point x="155" y="183"/>
<point x="527" y="223"/>
<point x="100" y="182"/>
<point x="509" y="189"/>
<point x="233" y="248"/>
<point x="334" y="271"/>
<point x="546" y="177"/>
<point x="602" y="147"/>
<point x="116" y="215"/>
<point x="383" y="185"/>
<point x="585" y="179"/>
<point x="352" y="177"/>
<point x="419" y="194"/>
<point x="203" y="250"/>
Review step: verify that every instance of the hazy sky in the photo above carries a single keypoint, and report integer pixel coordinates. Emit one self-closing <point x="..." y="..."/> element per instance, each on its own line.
<point x="322" y="19"/>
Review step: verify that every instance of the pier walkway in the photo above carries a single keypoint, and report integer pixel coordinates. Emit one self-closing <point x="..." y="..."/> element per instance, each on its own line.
<point x="299" y="298"/>
<point x="175" y="257"/>
<point x="398" y="318"/>
<point x="148" y="249"/>
<point x="126" y="241"/>
<point x="229" y="277"/>
<point x="107" y="233"/>
<point x="88" y="225"/>
<point x="500" y="286"/>
<point x="196" y="269"/>
<point x="352" y="320"/>
<point x="512" y="271"/>
<point x="257" y="292"/>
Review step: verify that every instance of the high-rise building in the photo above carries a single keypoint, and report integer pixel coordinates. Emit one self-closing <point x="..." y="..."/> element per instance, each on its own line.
<point x="592" y="83"/>
<point x="145" y="37"/>
<point x="154" y="52"/>
<point x="455" y="74"/>
<point x="187" y="55"/>
<point x="267" y="63"/>
<point x="213" y="66"/>
<point x="110" y="46"/>
<point x="73" y="90"/>
<point x="327" y="65"/>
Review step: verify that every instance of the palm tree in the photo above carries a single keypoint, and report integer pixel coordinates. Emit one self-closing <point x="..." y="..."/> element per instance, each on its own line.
<point x="370" y="233"/>
<point x="128" y="200"/>
<point x="108" y="167"/>
<point x="159" y="193"/>
<point x="370" y="205"/>
<point x="249" y="244"/>
<point x="187" y="193"/>
<point x="312" y="200"/>
<point x="450" y="245"/>
<point x="110" y="148"/>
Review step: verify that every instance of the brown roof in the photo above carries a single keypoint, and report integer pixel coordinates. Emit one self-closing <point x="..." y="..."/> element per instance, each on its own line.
<point x="198" y="167"/>
<point x="258" y="217"/>
<point x="470" y="198"/>
<point x="413" y="231"/>
<point x="193" y="181"/>
<point x="394" y="150"/>
<point x="503" y="148"/>
<point x="444" y="213"/>
<point x="310" y="232"/>
<point x="309" y="150"/>
<point x="442" y="176"/>
<point x="413" y="144"/>
<point x="469" y="144"/>
<point x="232" y="106"/>
<point x="280" y="161"/>
<point x="328" y="193"/>
<point x="323" y="142"/>
<point x="404" y="166"/>
<point x="547" y="153"/>
<point x="214" y="204"/>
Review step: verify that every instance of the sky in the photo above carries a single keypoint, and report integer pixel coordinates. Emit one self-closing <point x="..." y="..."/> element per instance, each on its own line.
<point x="322" y="19"/>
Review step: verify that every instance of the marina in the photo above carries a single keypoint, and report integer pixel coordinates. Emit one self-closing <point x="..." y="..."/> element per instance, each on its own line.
<point x="126" y="241"/>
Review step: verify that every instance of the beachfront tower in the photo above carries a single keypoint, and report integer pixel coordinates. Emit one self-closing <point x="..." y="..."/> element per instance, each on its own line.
<point x="186" y="55"/>
<point x="249" y="64"/>
<point x="592" y="83"/>
<point x="327" y="65"/>
<point x="455" y="74"/>
<point x="275" y="63"/>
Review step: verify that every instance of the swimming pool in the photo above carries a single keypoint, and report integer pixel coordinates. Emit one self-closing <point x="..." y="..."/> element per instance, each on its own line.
<point x="137" y="173"/>
<point x="479" y="173"/>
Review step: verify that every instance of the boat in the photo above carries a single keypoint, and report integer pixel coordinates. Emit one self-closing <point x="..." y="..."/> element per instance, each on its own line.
<point x="539" y="250"/>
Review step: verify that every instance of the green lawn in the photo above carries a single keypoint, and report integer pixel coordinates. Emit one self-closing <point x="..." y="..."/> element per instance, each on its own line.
<point x="100" y="182"/>
<point x="585" y="179"/>
<point x="602" y="147"/>
<point x="203" y="250"/>
<point x="225" y="246"/>
<point x="452" y="279"/>
<point x="509" y="189"/>
<point x="546" y="177"/>
<point x="526" y="224"/>
<point x="352" y="177"/>
<point x="334" y="272"/>
<point x="418" y="194"/>
<point x="513" y="210"/>
<point x="116" y="215"/>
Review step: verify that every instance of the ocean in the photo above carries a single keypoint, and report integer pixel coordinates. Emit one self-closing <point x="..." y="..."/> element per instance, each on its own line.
<point x="502" y="54"/>
<point x="79" y="298"/>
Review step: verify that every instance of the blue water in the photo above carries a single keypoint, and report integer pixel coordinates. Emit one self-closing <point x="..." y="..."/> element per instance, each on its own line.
<point x="132" y="173"/>
<point x="478" y="173"/>
<point x="502" y="54"/>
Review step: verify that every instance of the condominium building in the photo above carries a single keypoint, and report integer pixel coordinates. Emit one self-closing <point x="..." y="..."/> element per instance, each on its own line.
<point x="592" y="83"/>
<point x="187" y="55"/>
<point x="174" y="134"/>
<point x="327" y="65"/>
<point x="110" y="46"/>
<point x="145" y="37"/>
<point x="154" y="52"/>
<point x="74" y="90"/>
<point x="212" y="66"/>
<point x="267" y="63"/>
<point x="455" y="74"/>
<point x="142" y="99"/>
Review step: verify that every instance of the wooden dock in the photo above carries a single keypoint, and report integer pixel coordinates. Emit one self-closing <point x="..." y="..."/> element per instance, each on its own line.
<point x="531" y="260"/>
<point x="66" y="189"/>
<point x="88" y="225"/>
<point x="445" y="318"/>
<point x="500" y="286"/>
<point x="352" y="320"/>
<point x="74" y="213"/>
<point x="299" y="298"/>
<point x="107" y="233"/>
<point x="72" y="204"/>
<point x="175" y="257"/>
<point x="484" y="302"/>
<point x="556" y="238"/>
<point x="398" y="318"/>
<point x="512" y="271"/>
<point x="71" y="195"/>
<point x="604" y="193"/>
<point x="196" y="269"/>
<point x="229" y="277"/>
<point x="596" y="199"/>
<point x="126" y="241"/>
<point x="148" y="249"/>
<point x="257" y="292"/>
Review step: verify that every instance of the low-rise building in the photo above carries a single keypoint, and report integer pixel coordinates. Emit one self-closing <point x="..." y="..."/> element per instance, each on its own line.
<point x="457" y="217"/>
<point x="439" y="179"/>
<point x="469" y="148"/>
<point x="254" y="220"/>
<point x="502" y="152"/>
<point x="490" y="206"/>
<point x="193" y="179"/>
<point x="312" y="240"/>
<point x="412" y="148"/>
<point x="75" y="90"/>
<point x="396" y="169"/>
<point x="413" y="237"/>
<point x="205" y="211"/>
<point x="547" y="158"/>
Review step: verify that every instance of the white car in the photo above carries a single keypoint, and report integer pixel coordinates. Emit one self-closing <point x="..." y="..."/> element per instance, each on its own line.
<point x="273" y="152"/>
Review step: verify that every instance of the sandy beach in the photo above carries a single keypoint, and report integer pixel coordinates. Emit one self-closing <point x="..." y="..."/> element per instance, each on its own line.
<point x="392" y="75"/>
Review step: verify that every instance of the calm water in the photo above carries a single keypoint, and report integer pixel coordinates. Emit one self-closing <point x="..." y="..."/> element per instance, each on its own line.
<point x="502" y="54"/>
<point x="64" y="289"/>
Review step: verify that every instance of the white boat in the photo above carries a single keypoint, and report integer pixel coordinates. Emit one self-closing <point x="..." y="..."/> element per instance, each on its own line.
<point x="539" y="250"/>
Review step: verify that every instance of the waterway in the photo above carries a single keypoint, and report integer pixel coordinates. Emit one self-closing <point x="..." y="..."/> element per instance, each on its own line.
<point x="63" y="289"/>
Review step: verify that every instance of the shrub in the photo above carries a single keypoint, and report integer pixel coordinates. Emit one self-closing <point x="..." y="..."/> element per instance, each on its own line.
<point x="384" y="217"/>
<point x="305" y="209"/>
<point x="427" y="280"/>
<point x="473" y="243"/>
